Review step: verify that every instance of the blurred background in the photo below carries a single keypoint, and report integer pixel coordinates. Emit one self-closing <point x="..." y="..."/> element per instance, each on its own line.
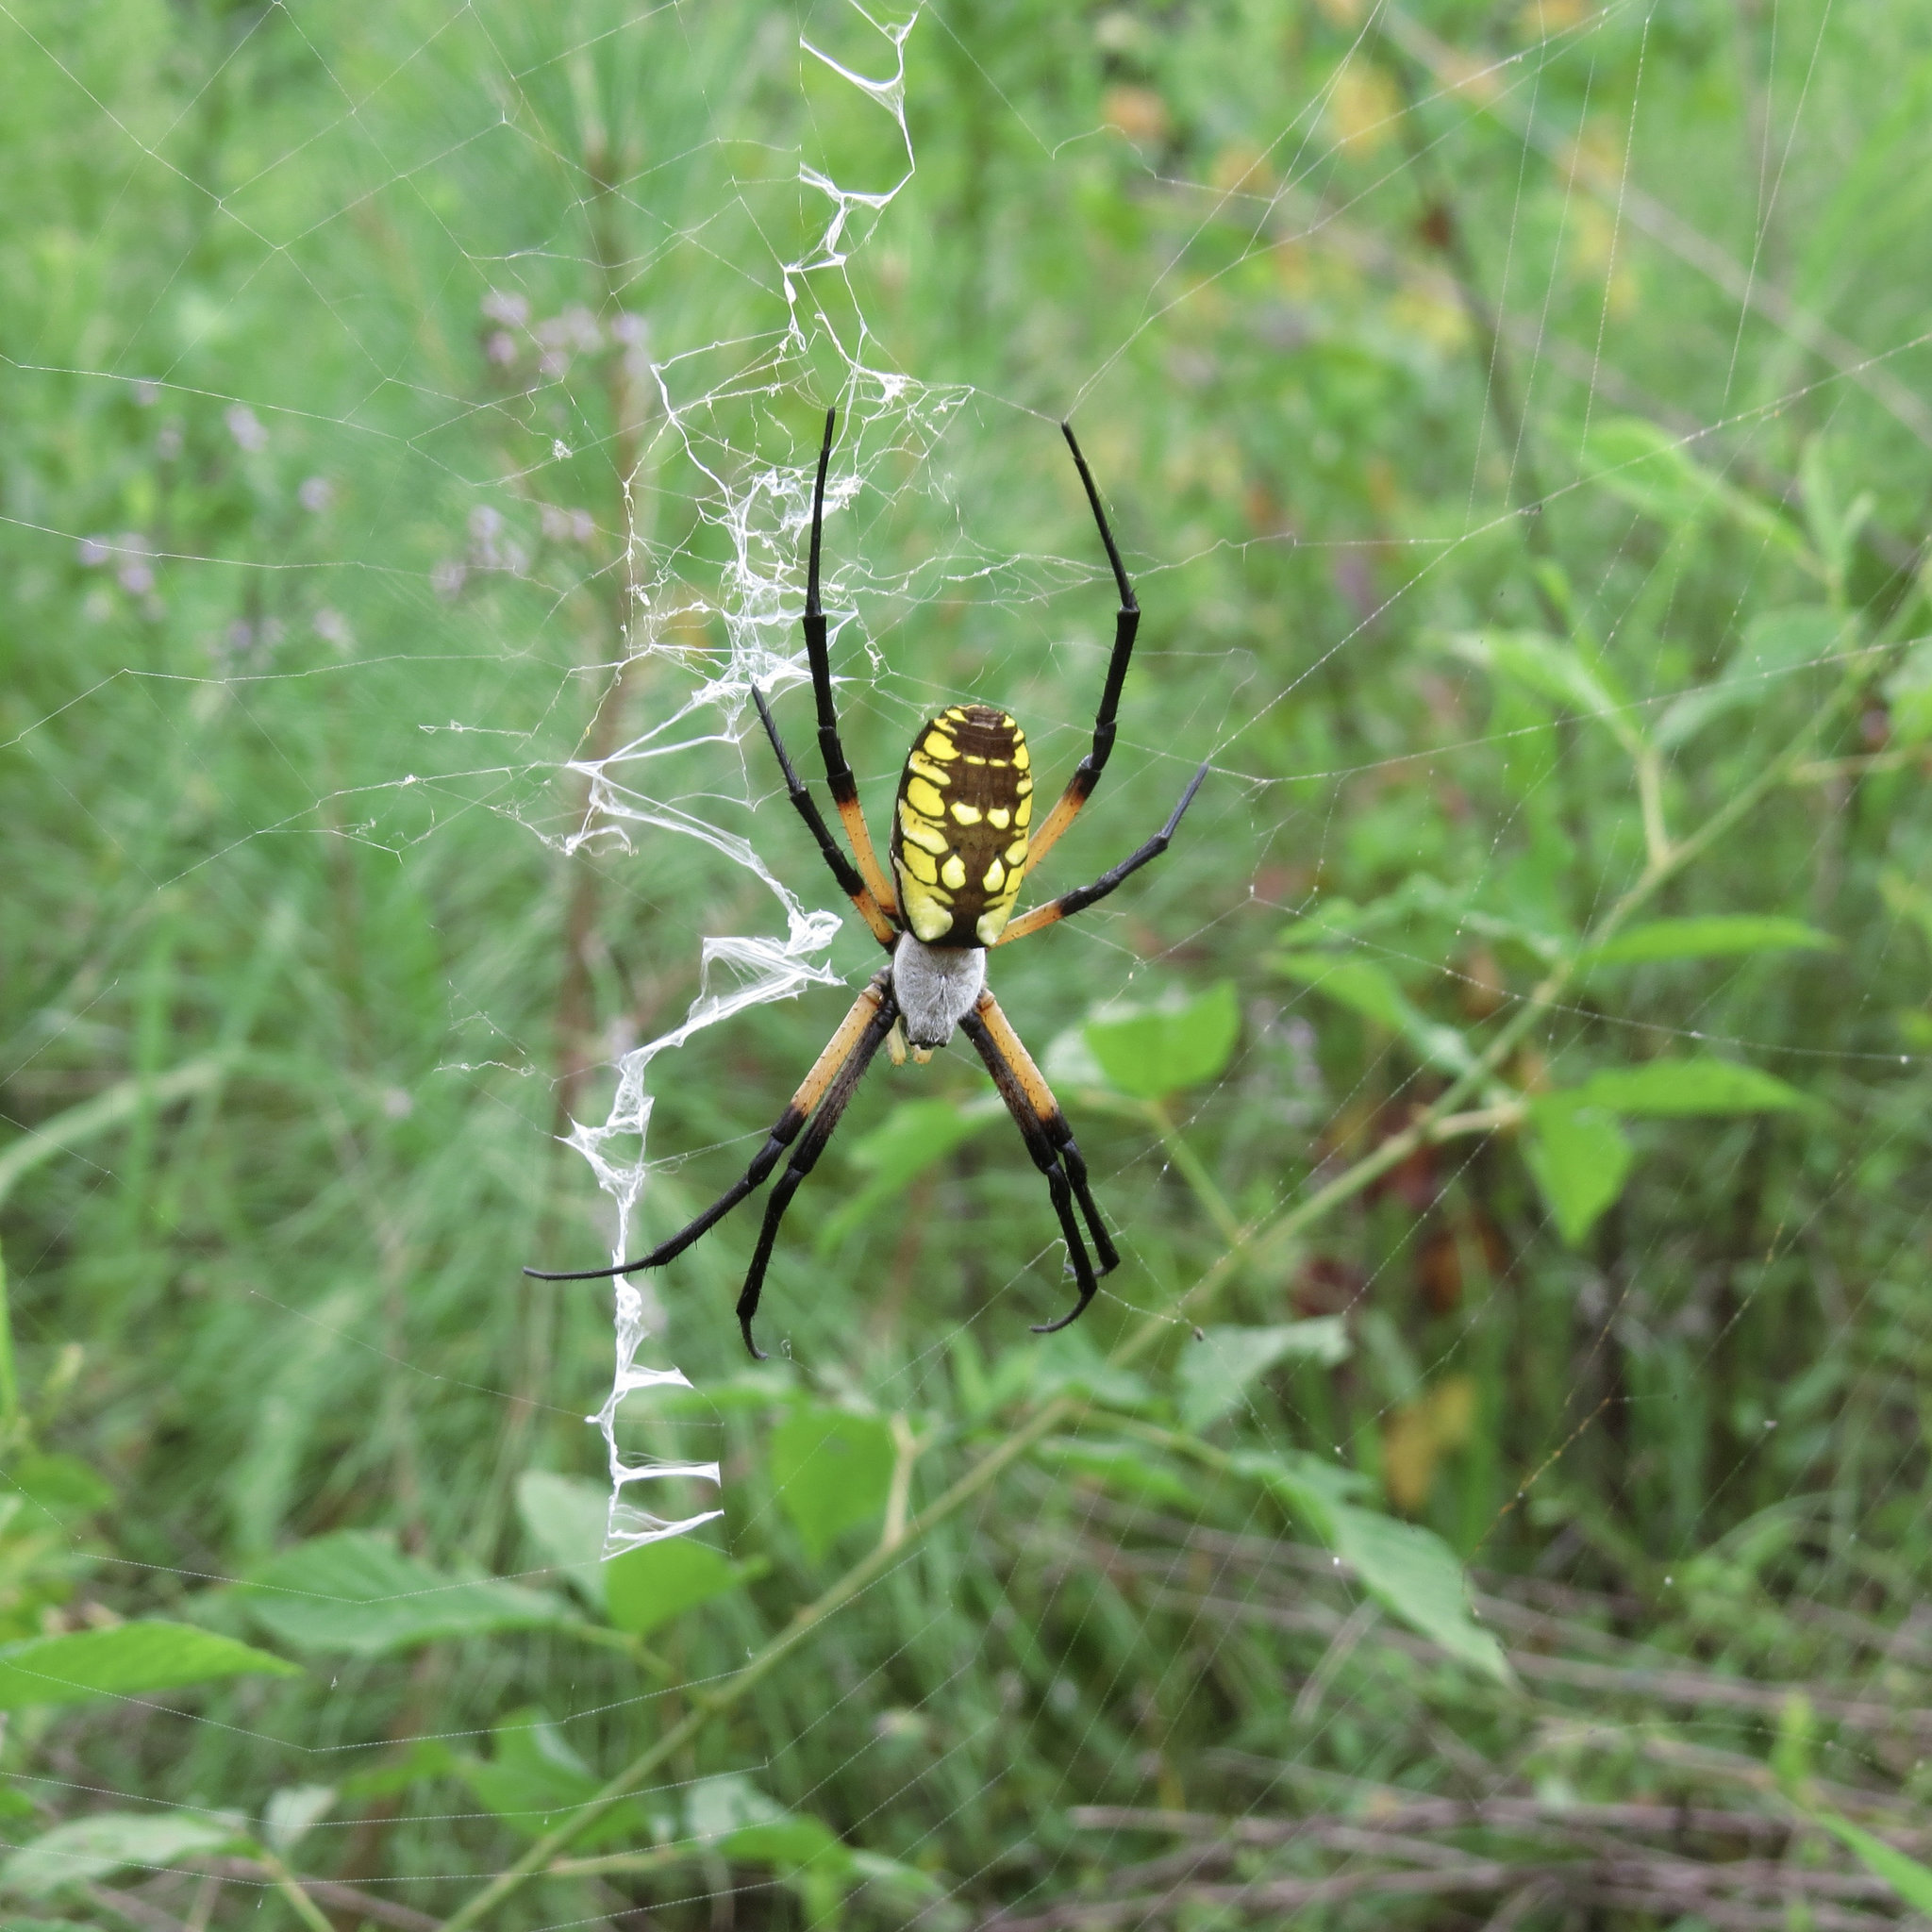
<point x="1493" y="1491"/>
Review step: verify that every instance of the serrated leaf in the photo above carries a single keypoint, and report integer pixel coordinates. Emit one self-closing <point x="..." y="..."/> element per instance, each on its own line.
<point x="1364" y="988"/>
<point x="356" y="1594"/>
<point x="1154" y="1051"/>
<point x="1714" y="936"/>
<point x="1668" y="1088"/>
<point x="1218" y="1369"/>
<point x="649" y="1586"/>
<point x="88" y="1848"/>
<point x="1579" y="1158"/>
<point x="129" y="1661"/>
<point x="914" y="1137"/>
<point x="566" y="1517"/>
<point x="1412" y="1572"/>
<point x="832" y="1470"/>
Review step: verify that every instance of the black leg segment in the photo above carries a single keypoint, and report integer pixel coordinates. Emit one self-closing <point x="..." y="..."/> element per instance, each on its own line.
<point x="838" y="1098"/>
<point x="1047" y="1159"/>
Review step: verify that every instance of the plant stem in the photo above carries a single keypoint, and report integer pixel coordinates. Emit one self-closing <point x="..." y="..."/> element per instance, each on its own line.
<point x="1438" y="1121"/>
<point x="1195" y="1171"/>
<point x="712" y="1703"/>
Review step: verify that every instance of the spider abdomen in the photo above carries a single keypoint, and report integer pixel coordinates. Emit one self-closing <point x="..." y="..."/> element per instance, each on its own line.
<point x="959" y="826"/>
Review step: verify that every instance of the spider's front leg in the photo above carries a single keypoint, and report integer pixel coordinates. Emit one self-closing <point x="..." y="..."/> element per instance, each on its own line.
<point x="844" y="787"/>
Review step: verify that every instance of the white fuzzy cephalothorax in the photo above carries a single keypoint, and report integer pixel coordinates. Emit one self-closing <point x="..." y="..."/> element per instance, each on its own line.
<point x="936" y="987"/>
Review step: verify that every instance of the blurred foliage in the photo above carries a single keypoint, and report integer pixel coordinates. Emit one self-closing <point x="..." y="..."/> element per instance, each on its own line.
<point x="1517" y="422"/>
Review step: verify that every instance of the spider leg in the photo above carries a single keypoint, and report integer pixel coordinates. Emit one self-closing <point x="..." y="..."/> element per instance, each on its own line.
<point x="1046" y="1110"/>
<point x="875" y="1000"/>
<point x="1084" y="896"/>
<point x="838" y="773"/>
<point x="838" y="1098"/>
<point x="850" y="883"/>
<point x="1041" y="1145"/>
<point x="1125" y="624"/>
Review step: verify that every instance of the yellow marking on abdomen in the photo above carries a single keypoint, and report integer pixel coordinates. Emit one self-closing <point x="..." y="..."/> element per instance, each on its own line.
<point x="921" y="865"/>
<point x="995" y="877"/>
<point x="954" y="871"/>
<point x="925" y="799"/>
<point x="922" y="832"/>
<point x="966" y="814"/>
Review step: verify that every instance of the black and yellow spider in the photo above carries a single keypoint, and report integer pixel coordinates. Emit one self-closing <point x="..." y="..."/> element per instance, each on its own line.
<point x="961" y="847"/>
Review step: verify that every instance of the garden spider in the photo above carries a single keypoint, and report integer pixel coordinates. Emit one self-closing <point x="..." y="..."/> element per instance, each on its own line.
<point x="960" y="849"/>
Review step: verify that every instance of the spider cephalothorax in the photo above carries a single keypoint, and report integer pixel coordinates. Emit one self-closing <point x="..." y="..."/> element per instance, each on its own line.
<point x="961" y="846"/>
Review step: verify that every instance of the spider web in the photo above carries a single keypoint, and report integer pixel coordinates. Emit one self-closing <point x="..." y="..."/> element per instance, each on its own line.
<point x="951" y="512"/>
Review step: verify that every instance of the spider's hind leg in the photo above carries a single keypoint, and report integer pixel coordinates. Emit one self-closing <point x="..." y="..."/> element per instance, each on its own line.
<point x="1053" y="1122"/>
<point x="838" y="1096"/>
<point x="1051" y="1145"/>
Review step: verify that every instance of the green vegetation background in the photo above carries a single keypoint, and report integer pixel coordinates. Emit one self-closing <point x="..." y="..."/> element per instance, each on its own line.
<point x="1517" y="418"/>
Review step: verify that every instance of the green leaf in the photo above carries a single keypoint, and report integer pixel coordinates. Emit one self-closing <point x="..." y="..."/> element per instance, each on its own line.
<point x="1412" y="1572"/>
<point x="1908" y="694"/>
<point x="1216" y="1370"/>
<point x="1409" y="1571"/>
<point x="1647" y="467"/>
<point x="533" y="1780"/>
<point x="565" y="1516"/>
<point x="1550" y="667"/>
<point x="90" y="1848"/>
<point x="1776" y="642"/>
<point x="62" y="1486"/>
<point x="427" y="1758"/>
<point x="732" y="1813"/>
<point x="914" y="1137"/>
<point x="1911" y="1880"/>
<point x="356" y="1594"/>
<point x="832" y="1470"/>
<point x="1123" y="1467"/>
<point x="655" y="1582"/>
<point x="1713" y="935"/>
<point x="1062" y="1364"/>
<point x="1151" y="1051"/>
<point x="1364" y="988"/>
<point x="1309" y="1486"/>
<point x="289" y="1813"/>
<point x="1672" y="1088"/>
<point x="1579" y="1158"/>
<point x="129" y="1661"/>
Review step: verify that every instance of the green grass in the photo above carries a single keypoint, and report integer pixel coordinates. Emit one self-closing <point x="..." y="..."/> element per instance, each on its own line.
<point x="1517" y="427"/>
